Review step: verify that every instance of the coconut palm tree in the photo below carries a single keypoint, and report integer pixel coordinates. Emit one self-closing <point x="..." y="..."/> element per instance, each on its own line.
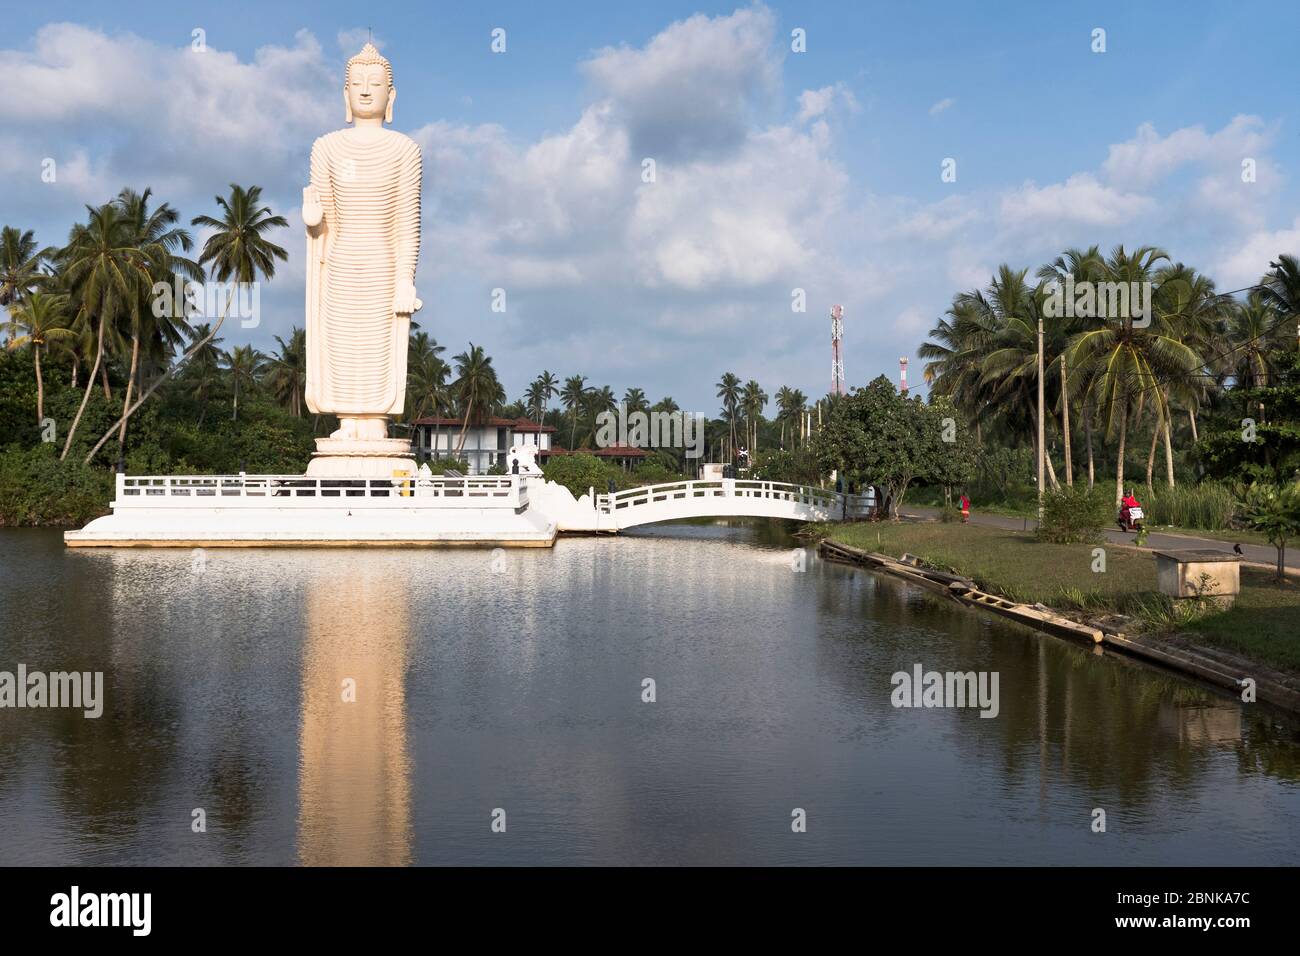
<point x="422" y="347"/>
<point x="572" y="397"/>
<point x="21" y="262"/>
<point x="476" y="387"/>
<point x="550" y="387"/>
<point x="1281" y="287"/>
<point x="753" y="400"/>
<point x="955" y="353"/>
<point x="535" y="400"/>
<point x="37" y="319"/>
<point x="239" y="251"/>
<point x="1010" y="371"/>
<point x="1081" y="265"/>
<point x="729" y="392"/>
<point x="159" y="239"/>
<point x="598" y="400"/>
<point x="1131" y="365"/>
<point x="634" y="400"/>
<point x="203" y="372"/>
<point x="286" y="371"/>
<point x="427" y="384"/>
<point x="105" y="270"/>
<point x="245" y="365"/>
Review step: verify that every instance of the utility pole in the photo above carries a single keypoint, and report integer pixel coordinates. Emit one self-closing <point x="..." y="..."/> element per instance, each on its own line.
<point x="1042" y="450"/>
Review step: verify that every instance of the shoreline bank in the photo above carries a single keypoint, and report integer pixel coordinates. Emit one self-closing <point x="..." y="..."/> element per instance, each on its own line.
<point x="1223" y="671"/>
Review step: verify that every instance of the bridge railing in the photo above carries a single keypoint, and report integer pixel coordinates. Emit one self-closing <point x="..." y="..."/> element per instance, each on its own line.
<point x="288" y="490"/>
<point x="721" y="488"/>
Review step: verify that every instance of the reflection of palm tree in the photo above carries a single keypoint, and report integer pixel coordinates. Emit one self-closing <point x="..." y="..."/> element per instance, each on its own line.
<point x="37" y="320"/>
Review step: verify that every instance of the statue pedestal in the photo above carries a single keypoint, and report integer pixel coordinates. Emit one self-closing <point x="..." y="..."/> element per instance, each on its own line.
<point x="360" y="458"/>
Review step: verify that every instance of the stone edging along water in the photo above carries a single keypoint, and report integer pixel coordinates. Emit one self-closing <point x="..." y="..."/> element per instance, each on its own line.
<point x="1275" y="690"/>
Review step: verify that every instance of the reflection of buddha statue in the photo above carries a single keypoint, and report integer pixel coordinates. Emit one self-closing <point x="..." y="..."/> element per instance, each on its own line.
<point x="362" y="213"/>
<point x="354" y="766"/>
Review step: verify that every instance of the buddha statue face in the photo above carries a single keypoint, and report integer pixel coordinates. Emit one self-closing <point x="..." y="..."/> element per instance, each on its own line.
<point x="368" y="91"/>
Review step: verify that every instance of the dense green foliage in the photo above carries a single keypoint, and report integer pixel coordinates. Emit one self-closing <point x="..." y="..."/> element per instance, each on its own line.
<point x="875" y="436"/>
<point x="1273" y="510"/>
<point x="1075" y="515"/>
<point x="581" y="473"/>
<point x="38" y="489"/>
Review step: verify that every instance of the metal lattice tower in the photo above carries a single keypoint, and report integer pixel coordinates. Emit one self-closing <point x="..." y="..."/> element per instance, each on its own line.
<point x="837" y="357"/>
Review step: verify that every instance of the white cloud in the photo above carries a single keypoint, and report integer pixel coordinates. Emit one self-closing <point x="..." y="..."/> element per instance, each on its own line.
<point x="942" y="105"/>
<point x="1149" y="157"/>
<point x="815" y="103"/>
<point x="1080" y="200"/>
<point x="1246" y="261"/>
<point x="695" y="87"/>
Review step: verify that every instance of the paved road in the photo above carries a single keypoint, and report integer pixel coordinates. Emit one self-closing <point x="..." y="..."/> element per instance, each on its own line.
<point x="1158" y="540"/>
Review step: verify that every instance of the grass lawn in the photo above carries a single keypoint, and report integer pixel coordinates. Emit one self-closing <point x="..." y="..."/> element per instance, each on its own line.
<point x="1013" y="563"/>
<point x="1263" y="624"/>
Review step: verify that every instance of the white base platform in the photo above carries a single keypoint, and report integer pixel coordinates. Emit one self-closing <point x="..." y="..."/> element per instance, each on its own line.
<point x="295" y="511"/>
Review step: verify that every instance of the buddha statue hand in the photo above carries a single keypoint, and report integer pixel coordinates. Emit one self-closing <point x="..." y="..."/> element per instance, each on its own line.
<point x="404" y="300"/>
<point x="312" y="212"/>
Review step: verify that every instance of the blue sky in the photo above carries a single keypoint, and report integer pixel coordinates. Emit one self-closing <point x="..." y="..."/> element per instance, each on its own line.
<point x="776" y="170"/>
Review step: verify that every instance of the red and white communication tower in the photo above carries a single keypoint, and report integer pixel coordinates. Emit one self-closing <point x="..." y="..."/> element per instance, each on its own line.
<point x="837" y="358"/>
<point x="902" y="375"/>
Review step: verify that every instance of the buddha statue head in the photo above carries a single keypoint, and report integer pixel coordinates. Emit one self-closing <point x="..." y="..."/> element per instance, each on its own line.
<point x="368" y="90"/>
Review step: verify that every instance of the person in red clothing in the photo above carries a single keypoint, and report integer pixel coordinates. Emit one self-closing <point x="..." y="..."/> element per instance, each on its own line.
<point x="965" y="508"/>
<point x="1126" y="506"/>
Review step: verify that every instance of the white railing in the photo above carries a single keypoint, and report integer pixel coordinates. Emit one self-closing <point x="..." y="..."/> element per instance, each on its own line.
<point x="485" y="491"/>
<point x="692" y="491"/>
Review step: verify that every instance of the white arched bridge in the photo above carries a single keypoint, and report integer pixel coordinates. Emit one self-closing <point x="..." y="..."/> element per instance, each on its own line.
<point x="190" y="511"/>
<point x="723" y="498"/>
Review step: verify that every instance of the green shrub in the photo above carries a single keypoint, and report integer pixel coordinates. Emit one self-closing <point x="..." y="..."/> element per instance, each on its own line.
<point x="38" y="489"/>
<point x="579" y="473"/>
<point x="1074" y="515"/>
<point x="440" y="466"/>
<point x="653" y="472"/>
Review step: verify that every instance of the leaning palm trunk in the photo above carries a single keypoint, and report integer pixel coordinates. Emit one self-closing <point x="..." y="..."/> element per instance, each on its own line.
<point x="130" y="385"/>
<point x="1065" y="423"/>
<point x="85" y="398"/>
<point x="1191" y="420"/>
<point x="460" y="444"/>
<point x="144" y="397"/>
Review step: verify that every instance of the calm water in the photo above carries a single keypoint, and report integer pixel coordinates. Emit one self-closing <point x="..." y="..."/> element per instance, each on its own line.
<point x="520" y="688"/>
